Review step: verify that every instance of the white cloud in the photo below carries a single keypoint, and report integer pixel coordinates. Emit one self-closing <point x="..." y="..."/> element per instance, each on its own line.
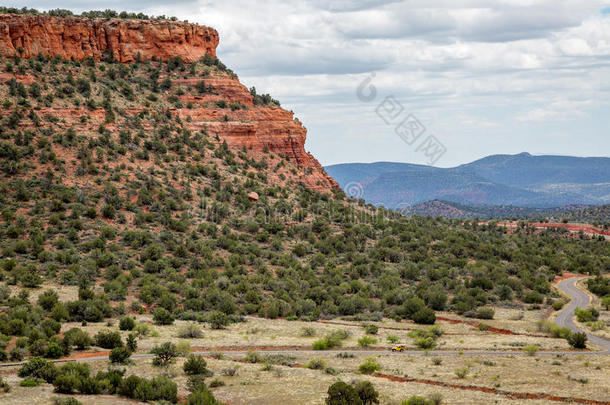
<point x="560" y="110"/>
<point x="473" y="70"/>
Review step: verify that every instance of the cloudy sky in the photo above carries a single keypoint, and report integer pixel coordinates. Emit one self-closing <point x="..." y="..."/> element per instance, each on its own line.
<point x="481" y="76"/>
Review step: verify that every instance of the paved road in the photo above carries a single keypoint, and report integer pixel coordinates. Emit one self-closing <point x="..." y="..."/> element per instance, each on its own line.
<point x="579" y="300"/>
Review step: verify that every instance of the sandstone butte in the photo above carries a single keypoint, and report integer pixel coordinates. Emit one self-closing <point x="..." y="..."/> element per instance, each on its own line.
<point x="258" y="128"/>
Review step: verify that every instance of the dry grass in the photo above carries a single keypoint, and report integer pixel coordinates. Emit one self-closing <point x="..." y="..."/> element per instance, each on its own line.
<point x="65" y="292"/>
<point x="282" y="384"/>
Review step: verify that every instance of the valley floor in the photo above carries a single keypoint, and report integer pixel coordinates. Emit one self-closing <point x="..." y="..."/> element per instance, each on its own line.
<point x="498" y="371"/>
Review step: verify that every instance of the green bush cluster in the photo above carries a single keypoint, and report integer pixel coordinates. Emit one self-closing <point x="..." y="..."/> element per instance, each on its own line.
<point x="586" y="315"/>
<point x="578" y="340"/>
<point x="331" y="340"/>
<point x="426" y="339"/>
<point x="358" y="393"/>
<point x="156" y="389"/>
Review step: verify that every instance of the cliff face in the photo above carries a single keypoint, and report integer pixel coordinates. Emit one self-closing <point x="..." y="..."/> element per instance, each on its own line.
<point x="77" y="38"/>
<point x="257" y="128"/>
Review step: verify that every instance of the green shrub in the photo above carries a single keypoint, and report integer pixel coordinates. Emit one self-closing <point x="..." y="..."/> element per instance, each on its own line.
<point x="531" y="350"/>
<point x="89" y="386"/>
<point x="577" y="340"/>
<point x="17" y="354"/>
<point x="331" y="340"/>
<point x="341" y="393"/>
<point x="77" y="337"/>
<point x="128" y="386"/>
<point x="597" y="325"/>
<point x="393" y="339"/>
<point x="157" y="389"/>
<point x="369" y="366"/>
<point x="142" y="329"/>
<point x="108" y="339"/>
<point x="533" y="297"/>
<point x="586" y="315"/>
<point x="462" y="372"/>
<point x="119" y="355"/>
<point x="321" y="344"/>
<point x="162" y="316"/>
<point x="253" y="357"/>
<point x="164" y="389"/>
<point x="218" y="320"/>
<point x="424" y="316"/>
<point x="127" y="323"/>
<point x="331" y="371"/>
<point x="54" y="351"/>
<point x="366" y="341"/>
<point x="195" y="365"/>
<point x="190" y="331"/>
<point x="371" y="329"/>
<point x="366" y="392"/>
<point x="39" y="368"/>
<point x="425" y="343"/>
<point x="316" y="364"/>
<point x="65" y="384"/>
<point x="29" y="382"/>
<point x="415" y="400"/>
<point x="164" y="354"/>
<point x="201" y="398"/>
<point x="48" y="299"/>
<point x="485" y="313"/>
<point x="433" y="399"/>
<point x="308" y="331"/>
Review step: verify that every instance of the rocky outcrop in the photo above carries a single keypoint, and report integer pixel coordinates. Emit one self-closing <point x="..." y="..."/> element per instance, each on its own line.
<point x="78" y="38"/>
<point x="258" y="129"/>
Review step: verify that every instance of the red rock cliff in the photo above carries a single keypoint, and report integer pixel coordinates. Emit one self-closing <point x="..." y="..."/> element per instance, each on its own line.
<point x="29" y="35"/>
<point x="257" y="128"/>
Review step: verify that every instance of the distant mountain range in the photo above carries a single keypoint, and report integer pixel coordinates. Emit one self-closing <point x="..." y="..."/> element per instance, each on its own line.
<point x="521" y="180"/>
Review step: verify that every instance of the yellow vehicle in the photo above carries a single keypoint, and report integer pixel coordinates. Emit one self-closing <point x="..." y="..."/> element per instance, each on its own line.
<point x="399" y="349"/>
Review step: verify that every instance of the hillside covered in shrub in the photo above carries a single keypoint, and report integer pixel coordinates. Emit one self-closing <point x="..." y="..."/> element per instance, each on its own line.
<point x="119" y="179"/>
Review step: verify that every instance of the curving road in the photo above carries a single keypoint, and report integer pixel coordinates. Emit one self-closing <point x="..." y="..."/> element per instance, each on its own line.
<point x="579" y="300"/>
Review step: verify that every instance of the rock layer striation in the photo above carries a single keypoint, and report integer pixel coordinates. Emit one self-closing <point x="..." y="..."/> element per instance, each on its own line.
<point x="77" y="38"/>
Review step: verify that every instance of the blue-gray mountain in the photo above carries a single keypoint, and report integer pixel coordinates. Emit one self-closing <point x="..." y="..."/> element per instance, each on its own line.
<point x="521" y="180"/>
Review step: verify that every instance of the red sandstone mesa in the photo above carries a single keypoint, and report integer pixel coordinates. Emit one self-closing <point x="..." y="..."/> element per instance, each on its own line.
<point x="77" y="38"/>
<point x="257" y="128"/>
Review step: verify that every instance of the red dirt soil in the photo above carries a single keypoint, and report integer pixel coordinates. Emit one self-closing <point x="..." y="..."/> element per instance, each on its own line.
<point x="586" y="228"/>
<point x="491" y="329"/>
<point x="86" y="355"/>
<point x="508" y="394"/>
<point x="380" y="327"/>
<point x="474" y="324"/>
<point x="565" y="276"/>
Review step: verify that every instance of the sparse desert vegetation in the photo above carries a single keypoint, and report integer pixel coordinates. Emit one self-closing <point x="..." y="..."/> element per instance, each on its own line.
<point x="147" y="255"/>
